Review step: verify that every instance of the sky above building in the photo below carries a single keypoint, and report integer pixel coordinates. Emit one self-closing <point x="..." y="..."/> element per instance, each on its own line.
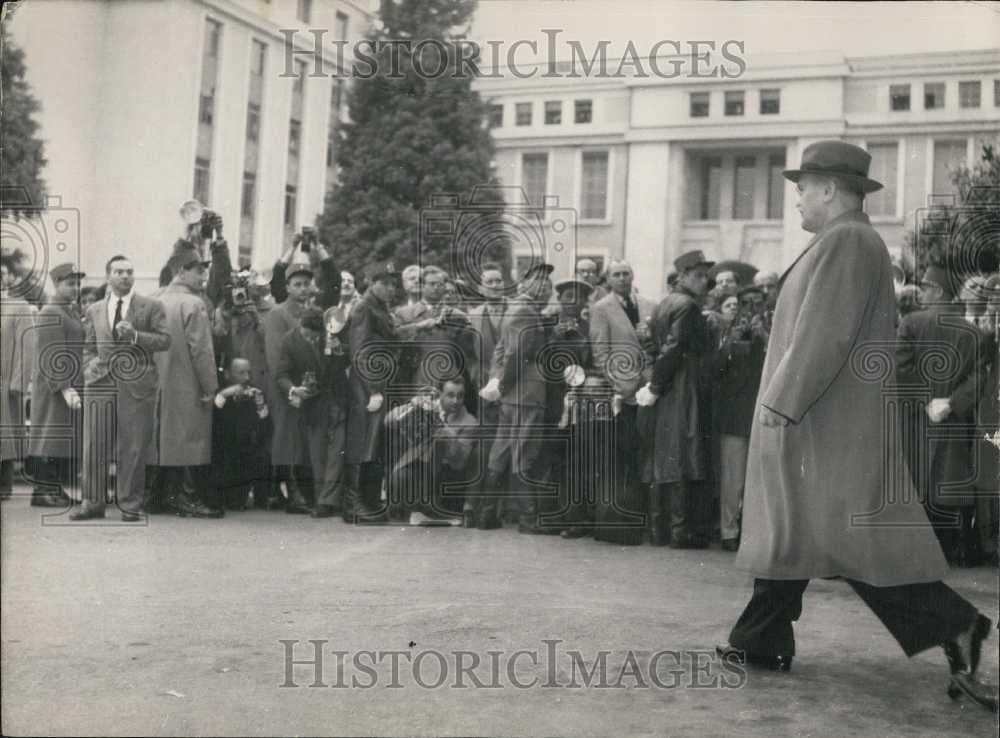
<point x="855" y="29"/>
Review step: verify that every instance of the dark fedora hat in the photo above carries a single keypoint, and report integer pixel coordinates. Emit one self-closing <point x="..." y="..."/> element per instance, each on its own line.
<point x="382" y="271"/>
<point x="692" y="259"/>
<point x="64" y="271"/>
<point x="583" y="289"/>
<point x="837" y="159"/>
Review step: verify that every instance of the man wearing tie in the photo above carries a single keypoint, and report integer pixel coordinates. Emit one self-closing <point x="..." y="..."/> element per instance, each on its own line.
<point x="123" y="333"/>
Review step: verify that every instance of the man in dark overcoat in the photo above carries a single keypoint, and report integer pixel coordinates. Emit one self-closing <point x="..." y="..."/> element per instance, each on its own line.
<point x="56" y="439"/>
<point x="817" y="502"/>
<point x="940" y="449"/>
<point x="676" y="462"/>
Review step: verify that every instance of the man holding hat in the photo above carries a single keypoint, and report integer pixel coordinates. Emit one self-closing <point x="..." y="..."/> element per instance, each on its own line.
<point x="188" y="383"/>
<point x="940" y="466"/>
<point x="676" y="464"/>
<point x="818" y="502"/>
<point x="56" y="406"/>
<point x="517" y="382"/>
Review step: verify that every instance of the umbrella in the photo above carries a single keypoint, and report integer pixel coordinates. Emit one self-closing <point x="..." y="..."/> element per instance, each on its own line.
<point x="744" y="272"/>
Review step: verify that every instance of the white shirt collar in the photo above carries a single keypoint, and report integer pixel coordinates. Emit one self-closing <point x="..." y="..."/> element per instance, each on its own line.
<point x="113" y="304"/>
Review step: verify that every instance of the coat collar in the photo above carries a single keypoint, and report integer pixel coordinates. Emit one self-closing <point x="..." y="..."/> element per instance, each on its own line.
<point x="857" y="216"/>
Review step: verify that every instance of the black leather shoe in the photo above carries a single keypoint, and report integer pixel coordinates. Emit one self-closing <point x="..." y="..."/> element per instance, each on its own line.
<point x="963" y="656"/>
<point x="730" y="544"/>
<point x="129" y="517"/>
<point x="294" y="508"/>
<point x="84" y="514"/>
<point x="975" y="690"/>
<point x="489" y="522"/>
<point x="323" y="511"/>
<point x="776" y="662"/>
<point x="575" y="531"/>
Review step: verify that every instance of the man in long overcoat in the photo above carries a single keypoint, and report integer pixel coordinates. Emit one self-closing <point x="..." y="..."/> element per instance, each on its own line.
<point x="17" y="340"/>
<point x="188" y="383"/>
<point x="124" y="331"/>
<point x="817" y="503"/>
<point x="676" y="462"/>
<point x="56" y="383"/>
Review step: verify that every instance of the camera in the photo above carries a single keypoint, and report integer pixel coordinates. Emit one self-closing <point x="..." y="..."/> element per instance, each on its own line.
<point x="211" y="225"/>
<point x="307" y="239"/>
<point x="239" y="291"/>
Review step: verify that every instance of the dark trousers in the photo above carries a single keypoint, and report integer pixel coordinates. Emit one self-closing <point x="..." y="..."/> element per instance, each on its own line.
<point x="7" y="475"/>
<point x="919" y="616"/>
<point x="684" y="508"/>
<point x="53" y="474"/>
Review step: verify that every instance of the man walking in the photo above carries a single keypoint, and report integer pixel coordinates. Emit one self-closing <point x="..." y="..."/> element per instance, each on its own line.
<point x="124" y="330"/>
<point x="816" y="500"/>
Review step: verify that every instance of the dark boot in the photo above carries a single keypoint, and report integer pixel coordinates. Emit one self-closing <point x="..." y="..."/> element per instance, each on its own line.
<point x="659" y="516"/>
<point x="488" y="507"/>
<point x="297" y="502"/>
<point x="354" y="508"/>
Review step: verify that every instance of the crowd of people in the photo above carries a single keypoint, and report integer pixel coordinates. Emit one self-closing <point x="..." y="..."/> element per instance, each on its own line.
<point x="581" y="408"/>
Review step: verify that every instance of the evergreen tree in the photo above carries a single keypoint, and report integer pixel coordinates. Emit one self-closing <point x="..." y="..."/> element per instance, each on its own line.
<point x="22" y="155"/>
<point x="412" y="137"/>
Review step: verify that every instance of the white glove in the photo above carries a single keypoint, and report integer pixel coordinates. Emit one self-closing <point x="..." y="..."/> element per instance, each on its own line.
<point x="375" y="402"/>
<point x="645" y="397"/>
<point x="72" y="398"/>
<point x="491" y="392"/>
<point x="574" y="375"/>
<point x="616" y="404"/>
<point x="938" y="409"/>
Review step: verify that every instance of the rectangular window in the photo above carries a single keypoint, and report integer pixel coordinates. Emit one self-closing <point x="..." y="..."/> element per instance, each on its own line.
<point x="206" y="110"/>
<point x="699" y="104"/>
<point x="253" y="122"/>
<point x="770" y="102"/>
<point x="743" y="187"/>
<point x="522" y="114"/>
<point x="496" y="116"/>
<point x="594" y="185"/>
<point x="711" y="187"/>
<point x="535" y="178"/>
<point x="776" y="187"/>
<point x="202" y="180"/>
<point x="884" y="168"/>
<point x="294" y="138"/>
<point x="213" y="38"/>
<point x="338" y="96"/>
<point x="947" y="155"/>
<point x="996" y="93"/>
<point x="304" y="11"/>
<point x="933" y="95"/>
<point x="899" y="97"/>
<point x="290" y="206"/>
<point x="249" y="195"/>
<point x="734" y="103"/>
<point x="583" y="111"/>
<point x="340" y="26"/>
<point x="969" y="94"/>
<point x="259" y="58"/>
<point x="553" y="113"/>
<point x="298" y="87"/>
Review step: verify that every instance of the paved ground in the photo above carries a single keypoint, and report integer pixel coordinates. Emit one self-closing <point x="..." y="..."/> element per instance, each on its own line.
<point x="174" y="628"/>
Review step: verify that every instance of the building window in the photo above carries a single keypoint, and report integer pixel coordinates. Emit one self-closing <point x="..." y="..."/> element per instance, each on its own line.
<point x="213" y="38"/>
<point x="201" y="180"/>
<point x="535" y="178"/>
<point x="253" y="122"/>
<point x="734" y="103"/>
<point x="699" y="104"/>
<point x="583" y="111"/>
<point x="770" y="102"/>
<point x="290" y="206"/>
<point x="331" y="134"/>
<point x="899" y="97"/>
<point x="522" y="114"/>
<point x="884" y="168"/>
<point x="294" y="138"/>
<point x="338" y="96"/>
<point x="249" y="195"/>
<point x="304" y="11"/>
<point x="553" y="113"/>
<point x="969" y="94"/>
<point x="776" y="187"/>
<point x="259" y="58"/>
<point x="947" y="155"/>
<point x="206" y="108"/>
<point x="933" y="95"/>
<point x="996" y="93"/>
<point x="594" y="185"/>
<point x="743" y="186"/>
<point x="340" y="26"/>
<point x="711" y="187"/>
<point x="496" y="116"/>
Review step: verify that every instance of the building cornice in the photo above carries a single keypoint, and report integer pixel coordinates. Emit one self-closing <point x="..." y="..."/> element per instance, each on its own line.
<point x="742" y="132"/>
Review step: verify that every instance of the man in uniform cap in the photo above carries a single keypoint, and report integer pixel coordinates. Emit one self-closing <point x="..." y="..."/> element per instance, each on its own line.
<point x="56" y="405"/>
<point x="816" y="501"/>
<point x="676" y="462"/>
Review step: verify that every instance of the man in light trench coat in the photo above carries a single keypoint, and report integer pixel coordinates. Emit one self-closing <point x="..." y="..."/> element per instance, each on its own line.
<point x="816" y="501"/>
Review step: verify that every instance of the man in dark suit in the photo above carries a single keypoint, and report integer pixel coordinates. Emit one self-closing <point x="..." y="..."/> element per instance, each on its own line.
<point x="940" y="450"/>
<point x="517" y="383"/>
<point x="123" y="332"/>
<point x="315" y="382"/>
